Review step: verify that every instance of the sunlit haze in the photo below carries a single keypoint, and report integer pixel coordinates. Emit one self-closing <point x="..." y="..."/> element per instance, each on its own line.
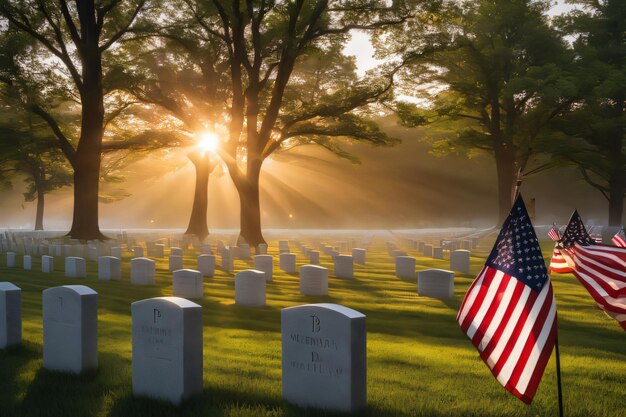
<point x="208" y="142"/>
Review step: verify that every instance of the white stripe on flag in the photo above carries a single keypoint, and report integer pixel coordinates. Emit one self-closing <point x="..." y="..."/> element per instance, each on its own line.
<point x="508" y="330"/>
<point x="497" y="318"/>
<point x="522" y="384"/>
<point x="615" y="302"/>
<point x="522" y="338"/>
<point x="485" y="304"/>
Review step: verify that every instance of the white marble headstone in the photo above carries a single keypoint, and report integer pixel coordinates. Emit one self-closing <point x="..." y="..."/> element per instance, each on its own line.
<point x="261" y="249"/>
<point x="313" y="280"/>
<point x="265" y="263"/>
<point x="405" y="267"/>
<point x="75" y="267"/>
<point x="288" y="262"/>
<point x="344" y="266"/>
<point x="324" y="357"/>
<point x="10" y="315"/>
<point x="187" y="283"/>
<point x="167" y="348"/>
<point x="206" y="265"/>
<point x="250" y="288"/>
<point x="460" y="261"/>
<point x="28" y="262"/>
<point x="11" y="259"/>
<point x="142" y="271"/>
<point x="244" y="251"/>
<point x="47" y="263"/>
<point x="283" y="246"/>
<point x="70" y="329"/>
<point x="92" y="252"/>
<point x="176" y="262"/>
<point x="436" y="283"/>
<point x="117" y="252"/>
<point x="358" y="255"/>
<point x="314" y="257"/>
<point x="227" y="260"/>
<point x="109" y="268"/>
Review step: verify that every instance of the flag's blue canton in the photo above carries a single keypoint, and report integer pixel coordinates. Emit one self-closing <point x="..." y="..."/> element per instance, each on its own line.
<point x="517" y="252"/>
<point x="575" y="232"/>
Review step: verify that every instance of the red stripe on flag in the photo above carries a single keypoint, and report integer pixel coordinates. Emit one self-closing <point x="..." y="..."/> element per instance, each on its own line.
<point x="482" y="291"/>
<point x="509" y="329"/>
<point x="596" y="270"/>
<point x="533" y="338"/>
<point x="510" y="342"/>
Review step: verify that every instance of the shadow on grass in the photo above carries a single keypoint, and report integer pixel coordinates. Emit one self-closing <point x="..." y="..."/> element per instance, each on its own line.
<point x="13" y="362"/>
<point x="595" y="337"/>
<point x="26" y="389"/>
<point x="60" y="394"/>
<point x="220" y="402"/>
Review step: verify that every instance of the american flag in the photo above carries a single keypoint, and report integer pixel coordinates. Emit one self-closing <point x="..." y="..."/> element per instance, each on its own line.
<point x="554" y="233"/>
<point x="509" y="311"/>
<point x="619" y="239"/>
<point x="575" y="232"/>
<point x="602" y="271"/>
<point x="558" y="263"/>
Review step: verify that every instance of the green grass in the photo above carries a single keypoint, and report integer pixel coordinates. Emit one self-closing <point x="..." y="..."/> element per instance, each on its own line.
<point x="419" y="362"/>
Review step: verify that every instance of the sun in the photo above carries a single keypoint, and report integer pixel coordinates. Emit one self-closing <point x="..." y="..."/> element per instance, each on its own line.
<point x="208" y="142"/>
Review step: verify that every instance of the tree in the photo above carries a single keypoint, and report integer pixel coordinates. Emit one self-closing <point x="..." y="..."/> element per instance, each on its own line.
<point x="270" y="76"/>
<point x="491" y="80"/>
<point x="66" y="62"/>
<point x="591" y="135"/>
<point x="28" y="152"/>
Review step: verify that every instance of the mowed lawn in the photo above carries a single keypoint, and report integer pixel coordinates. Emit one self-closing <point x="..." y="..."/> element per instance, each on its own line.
<point x="419" y="363"/>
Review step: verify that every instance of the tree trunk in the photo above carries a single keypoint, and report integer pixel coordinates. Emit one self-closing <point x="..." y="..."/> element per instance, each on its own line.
<point x="87" y="159"/>
<point x="507" y="178"/>
<point x="250" y="212"/>
<point x="86" y="182"/>
<point x="40" y="205"/>
<point x="198" y="220"/>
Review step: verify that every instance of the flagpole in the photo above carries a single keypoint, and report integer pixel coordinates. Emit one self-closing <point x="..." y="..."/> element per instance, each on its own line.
<point x="558" y="371"/>
<point x="518" y="183"/>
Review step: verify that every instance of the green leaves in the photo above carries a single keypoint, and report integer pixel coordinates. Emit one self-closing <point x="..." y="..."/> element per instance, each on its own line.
<point x="592" y="134"/>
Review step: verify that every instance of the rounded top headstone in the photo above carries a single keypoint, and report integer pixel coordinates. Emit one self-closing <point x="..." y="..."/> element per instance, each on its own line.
<point x="78" y="289"/>
<point x="8" y="286"/>
<point x="142" y="259"/>
<point x="345" y="311"/>
<point x="186" y="271"/>
<point x="250" y="273"/>
<point x="316" y="267"/>
<point x="177" y="301"/>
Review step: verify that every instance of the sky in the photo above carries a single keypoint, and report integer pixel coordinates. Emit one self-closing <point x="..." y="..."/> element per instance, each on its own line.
<point x="361" y="48"/>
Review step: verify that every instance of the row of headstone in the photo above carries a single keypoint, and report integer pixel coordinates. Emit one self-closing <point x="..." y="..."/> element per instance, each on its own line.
<point x="324" y="354"/>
